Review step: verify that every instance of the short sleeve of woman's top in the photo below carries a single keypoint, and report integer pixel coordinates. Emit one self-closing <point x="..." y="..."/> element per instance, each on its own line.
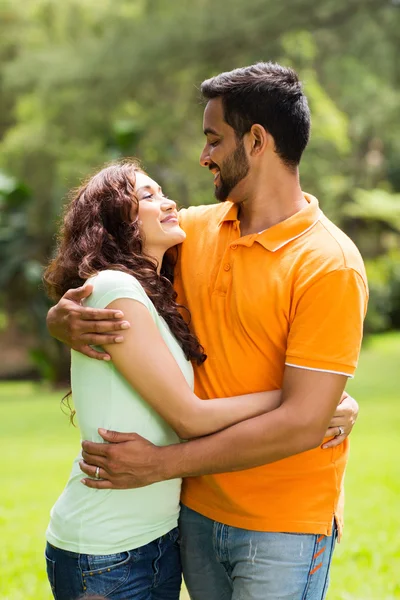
<point x="111" y="285"/>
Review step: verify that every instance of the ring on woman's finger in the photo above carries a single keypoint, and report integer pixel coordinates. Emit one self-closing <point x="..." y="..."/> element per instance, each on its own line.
<point x="96" y="475"/>
<point x="341" y="431"/>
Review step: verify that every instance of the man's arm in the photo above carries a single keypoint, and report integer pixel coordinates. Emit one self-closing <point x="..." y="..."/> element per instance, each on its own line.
<point x="80" y="327"/>
<point x="309" y="399"/>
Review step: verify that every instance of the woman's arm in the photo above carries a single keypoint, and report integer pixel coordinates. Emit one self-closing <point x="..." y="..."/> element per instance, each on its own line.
<point x="147" y="364"/>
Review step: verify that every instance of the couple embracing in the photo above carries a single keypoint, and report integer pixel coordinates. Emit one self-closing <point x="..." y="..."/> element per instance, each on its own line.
<point x="277" y="295"/>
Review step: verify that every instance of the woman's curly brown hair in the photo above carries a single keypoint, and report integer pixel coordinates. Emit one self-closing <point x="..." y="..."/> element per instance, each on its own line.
<point x="98" y="233"/>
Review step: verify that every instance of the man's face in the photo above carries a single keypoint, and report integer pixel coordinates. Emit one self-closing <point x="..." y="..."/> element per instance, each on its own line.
<point x="223" y="154"/>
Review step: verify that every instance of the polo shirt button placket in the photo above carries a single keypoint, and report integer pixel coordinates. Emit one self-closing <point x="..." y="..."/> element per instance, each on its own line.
<point x="227" y="267"/>
<point x="234" y="246"/>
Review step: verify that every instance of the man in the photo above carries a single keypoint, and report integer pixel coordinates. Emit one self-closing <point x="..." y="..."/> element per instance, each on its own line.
<point x="278" y="295"/>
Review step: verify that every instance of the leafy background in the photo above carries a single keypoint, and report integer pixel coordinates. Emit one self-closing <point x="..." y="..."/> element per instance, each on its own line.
<point x="87" y="81"/>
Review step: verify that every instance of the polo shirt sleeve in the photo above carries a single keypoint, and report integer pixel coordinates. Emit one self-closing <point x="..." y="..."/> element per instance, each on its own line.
<point x="327" y="326"/>
<point x="110" y="285"/>
<point x="187" y="217"/>
<point x="181" y="217"/>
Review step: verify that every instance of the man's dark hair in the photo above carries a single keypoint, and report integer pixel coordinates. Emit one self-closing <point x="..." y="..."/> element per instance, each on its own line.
<point x="270" y="95"/>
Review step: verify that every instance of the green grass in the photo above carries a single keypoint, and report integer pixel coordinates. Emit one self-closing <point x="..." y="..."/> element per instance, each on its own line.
<point x="367" y="562"/>
<point x="37" y="446"/>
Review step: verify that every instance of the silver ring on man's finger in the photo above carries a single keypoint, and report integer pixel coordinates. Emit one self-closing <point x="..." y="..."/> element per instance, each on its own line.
<point x="341" y="431"/>
<point x="97" y="476"/>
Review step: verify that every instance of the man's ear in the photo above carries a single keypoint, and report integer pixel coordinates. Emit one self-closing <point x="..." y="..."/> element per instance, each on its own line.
<point x="259" y="139"/>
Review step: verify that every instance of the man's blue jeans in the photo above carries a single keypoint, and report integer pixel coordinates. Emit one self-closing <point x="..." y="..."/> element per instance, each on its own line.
<point x="226" y="563"/>
<point x="151" y="572"/>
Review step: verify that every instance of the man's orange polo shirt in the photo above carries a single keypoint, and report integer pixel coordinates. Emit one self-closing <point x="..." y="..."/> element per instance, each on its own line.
<point x="293" y="294"/>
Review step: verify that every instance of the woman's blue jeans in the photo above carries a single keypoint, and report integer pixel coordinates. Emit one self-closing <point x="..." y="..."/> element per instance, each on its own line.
<point x="151" y="572"/>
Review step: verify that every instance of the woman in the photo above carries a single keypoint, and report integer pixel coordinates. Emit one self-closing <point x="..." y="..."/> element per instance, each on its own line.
<point x="123" y="543"/>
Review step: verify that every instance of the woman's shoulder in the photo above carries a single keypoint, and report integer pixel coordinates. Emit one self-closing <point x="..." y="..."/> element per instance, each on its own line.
<point x="112" y="277"/>
<point x="111" y="284"/>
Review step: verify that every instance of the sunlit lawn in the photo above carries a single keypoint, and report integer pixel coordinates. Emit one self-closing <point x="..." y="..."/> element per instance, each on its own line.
<point x="37" y="446"/>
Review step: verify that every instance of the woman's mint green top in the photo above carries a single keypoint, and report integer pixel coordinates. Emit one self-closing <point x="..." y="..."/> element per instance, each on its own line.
<point x="91" y="521"/>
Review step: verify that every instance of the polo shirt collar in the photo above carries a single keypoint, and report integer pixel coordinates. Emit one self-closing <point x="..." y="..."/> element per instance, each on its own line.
<point x="230" y="212"/>
<point x="282" y="233"/>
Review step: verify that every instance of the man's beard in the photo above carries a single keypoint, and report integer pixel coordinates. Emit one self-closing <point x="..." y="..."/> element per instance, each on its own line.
<point x="232" y="171"/>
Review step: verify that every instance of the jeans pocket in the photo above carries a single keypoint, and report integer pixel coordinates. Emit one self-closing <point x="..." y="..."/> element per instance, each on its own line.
<point x="51" y="574"/>
<point x="106" y="573"/>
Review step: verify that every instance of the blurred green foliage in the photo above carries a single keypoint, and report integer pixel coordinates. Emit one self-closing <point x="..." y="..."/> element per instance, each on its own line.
<point x="86" y="81"/>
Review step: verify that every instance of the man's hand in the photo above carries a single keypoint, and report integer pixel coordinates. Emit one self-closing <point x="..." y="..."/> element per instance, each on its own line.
<point x="128" y="461"/>
<point x="81" y="327"/>
<point x="342" y="421"/>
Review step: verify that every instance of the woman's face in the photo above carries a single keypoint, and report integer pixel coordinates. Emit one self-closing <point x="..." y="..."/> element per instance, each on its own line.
<point x="157" y="215"/>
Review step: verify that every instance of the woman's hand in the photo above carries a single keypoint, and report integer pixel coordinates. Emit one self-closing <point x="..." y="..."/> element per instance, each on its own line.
<point x="342" y="421"/>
